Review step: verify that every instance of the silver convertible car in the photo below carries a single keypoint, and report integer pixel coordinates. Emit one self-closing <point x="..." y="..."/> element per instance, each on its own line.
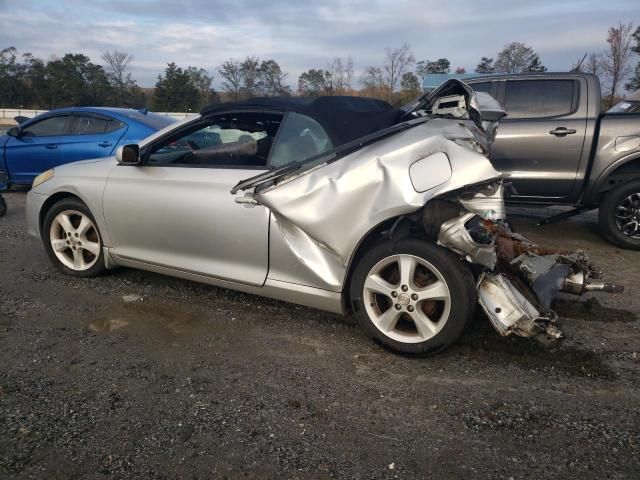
<point x="343" y="204"/>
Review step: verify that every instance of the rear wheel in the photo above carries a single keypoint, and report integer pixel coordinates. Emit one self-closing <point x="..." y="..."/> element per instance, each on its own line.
<point x="412" y="296"/>
<point x="619" y="216"/>
<point x="3" y="206"/>
<point x="72" y="240"/>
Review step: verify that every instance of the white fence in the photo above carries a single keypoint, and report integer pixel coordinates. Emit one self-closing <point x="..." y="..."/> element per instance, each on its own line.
<point x="7" y="114"/>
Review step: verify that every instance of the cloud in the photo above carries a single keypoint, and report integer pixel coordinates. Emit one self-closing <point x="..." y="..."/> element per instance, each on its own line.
<point x="302" y="35"/>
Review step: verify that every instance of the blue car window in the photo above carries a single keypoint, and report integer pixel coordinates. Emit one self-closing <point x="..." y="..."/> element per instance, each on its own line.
<point x="49" y="127"/>
<point x="85" y="125"/>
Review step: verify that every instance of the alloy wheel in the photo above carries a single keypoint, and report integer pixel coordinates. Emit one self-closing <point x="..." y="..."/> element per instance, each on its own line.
<point x="75" y="240"/>
<point x="407" y="298"/>
<point x="628" y="216"/>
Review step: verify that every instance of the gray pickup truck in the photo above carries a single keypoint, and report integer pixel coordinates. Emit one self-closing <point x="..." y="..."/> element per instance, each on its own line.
<point x="559" y="149"/>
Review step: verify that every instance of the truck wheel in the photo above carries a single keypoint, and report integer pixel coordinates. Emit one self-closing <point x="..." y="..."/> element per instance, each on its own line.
<point x="619" y="216"/>
<point x="412" y="296"/>
<point x="3" y="206"/>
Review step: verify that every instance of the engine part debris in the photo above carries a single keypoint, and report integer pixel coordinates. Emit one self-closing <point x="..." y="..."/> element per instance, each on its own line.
<point x="510" y="311"/>
<point x="455" y="235"/>
<point x="521" y="279"/>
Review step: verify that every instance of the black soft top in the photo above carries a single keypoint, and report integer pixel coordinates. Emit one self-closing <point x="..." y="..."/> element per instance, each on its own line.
<point x="343" y="118"/>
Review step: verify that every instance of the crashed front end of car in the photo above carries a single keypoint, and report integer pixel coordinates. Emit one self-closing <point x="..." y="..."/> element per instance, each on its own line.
<point x="429" y="176"/>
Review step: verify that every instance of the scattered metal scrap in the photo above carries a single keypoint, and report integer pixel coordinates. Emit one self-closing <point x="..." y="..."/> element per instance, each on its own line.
<point x="520" y="279"/>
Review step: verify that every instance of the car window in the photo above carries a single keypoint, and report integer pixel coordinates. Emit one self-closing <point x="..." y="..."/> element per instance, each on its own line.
<point x="538" y="98"/>
<point x="230" y="140"/>
<point x="48" y="127"/>
<point x="85" y="125"/>
<point x="301" y="138"/>
<point x="481" y="87"/>
<point x="625" y="107"/>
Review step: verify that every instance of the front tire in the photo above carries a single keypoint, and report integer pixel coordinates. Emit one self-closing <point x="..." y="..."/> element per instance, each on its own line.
<point x="3" y="206"/>
<point x="619" y="216"/>
<point x="72" y="240"/>
<point x="413" y="297"/>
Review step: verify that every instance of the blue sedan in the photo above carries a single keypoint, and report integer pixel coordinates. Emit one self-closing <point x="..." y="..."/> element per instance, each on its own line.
<point x="70" y="134"/>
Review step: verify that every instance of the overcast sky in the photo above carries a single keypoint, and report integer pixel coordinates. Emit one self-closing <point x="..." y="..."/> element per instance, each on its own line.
<point x="302" y="34"/>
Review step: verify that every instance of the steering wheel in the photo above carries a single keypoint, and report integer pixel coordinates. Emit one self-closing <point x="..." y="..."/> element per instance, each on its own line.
<point x="193" y="145"/>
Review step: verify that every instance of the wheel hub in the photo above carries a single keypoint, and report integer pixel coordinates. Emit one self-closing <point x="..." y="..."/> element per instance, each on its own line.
<point x="406" y="298"/>
<point x="403" y="299"/>
<point x="627" y="216"/>
<point x="75" y="240"/>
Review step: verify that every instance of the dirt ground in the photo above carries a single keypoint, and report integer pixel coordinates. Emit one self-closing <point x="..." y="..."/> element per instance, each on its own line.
<point x="136" y="375"/>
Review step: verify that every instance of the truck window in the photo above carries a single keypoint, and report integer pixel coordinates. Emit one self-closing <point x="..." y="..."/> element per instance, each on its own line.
<point x="481" y="87"/>
<point x="538" y="98"/>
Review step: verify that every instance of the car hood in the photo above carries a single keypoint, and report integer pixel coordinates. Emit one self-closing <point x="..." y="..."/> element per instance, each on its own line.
<point x="84" y="168"/>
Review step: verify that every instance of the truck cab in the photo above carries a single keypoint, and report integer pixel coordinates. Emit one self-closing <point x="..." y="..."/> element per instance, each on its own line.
<point x="557" y="148"/>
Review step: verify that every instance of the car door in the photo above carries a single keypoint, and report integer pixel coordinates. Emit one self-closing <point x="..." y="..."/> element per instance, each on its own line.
<point x="175" y="208"/>
<point x="91" y="135"/>
<point x="36" y="149"/>
<point x="540" y="142"/>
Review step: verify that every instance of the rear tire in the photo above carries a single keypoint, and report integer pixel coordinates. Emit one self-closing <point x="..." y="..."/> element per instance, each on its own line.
<point x="619" y="216"/>
<point x="72" y="240"/>
<point x="3" y="206"/>
<point x="412" y="296"/>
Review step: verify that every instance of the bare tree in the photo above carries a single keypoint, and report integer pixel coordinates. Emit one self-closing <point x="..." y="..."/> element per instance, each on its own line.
<point x="616" y="59"/>
<point x="396" y="62"/>
<point x="340" y="75"/>
<point x="410" y="83"/>
<point x="514" y="58"/>
<point x="593" y="64"/>
<point x="232" y="78"/>
<point x="117" y="64"/>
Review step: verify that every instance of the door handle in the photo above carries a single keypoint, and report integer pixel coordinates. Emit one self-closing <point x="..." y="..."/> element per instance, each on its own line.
<point x="51" y="146"/>
<point x="562" y="132"/>
<point x="105" y="144"/>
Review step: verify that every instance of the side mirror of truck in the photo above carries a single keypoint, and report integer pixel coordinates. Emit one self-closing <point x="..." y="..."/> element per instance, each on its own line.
<point x="13" y="132"/>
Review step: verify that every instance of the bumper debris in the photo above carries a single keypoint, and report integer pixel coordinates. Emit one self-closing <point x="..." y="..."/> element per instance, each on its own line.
<point x="520" y="279"/>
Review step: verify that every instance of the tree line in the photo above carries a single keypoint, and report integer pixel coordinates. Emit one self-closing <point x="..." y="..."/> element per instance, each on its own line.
<point x="74" y="80"/>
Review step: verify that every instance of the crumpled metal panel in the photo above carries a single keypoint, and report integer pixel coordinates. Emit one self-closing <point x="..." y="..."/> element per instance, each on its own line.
<point x="455" y="236"/>
<point x="489" y="205"/>
<point x="510" y="311"/>
<point x="337" y="204"/>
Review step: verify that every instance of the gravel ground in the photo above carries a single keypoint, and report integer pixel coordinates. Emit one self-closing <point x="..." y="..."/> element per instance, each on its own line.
<point x="135" y="375"/>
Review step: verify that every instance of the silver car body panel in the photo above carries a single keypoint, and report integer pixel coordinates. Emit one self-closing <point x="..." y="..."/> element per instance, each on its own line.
<point x="331" y="208"/>
<point x="277" y="289"/>
<point x="185" y="217"/>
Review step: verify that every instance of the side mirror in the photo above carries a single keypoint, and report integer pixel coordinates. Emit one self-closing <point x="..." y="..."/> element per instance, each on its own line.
<point x="13" y="132"/>
<point x="128" y="154"/>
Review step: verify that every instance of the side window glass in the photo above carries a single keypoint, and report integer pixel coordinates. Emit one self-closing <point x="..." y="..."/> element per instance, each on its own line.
<point x="233" y="140"/>
<point x="482" y="87"/>
<point x="48" y="127"/>
<point x="88" y="126"/>
<point x="301" y="138"/>
<point x="538" y="98"/>
<point x="113" y="125"/>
